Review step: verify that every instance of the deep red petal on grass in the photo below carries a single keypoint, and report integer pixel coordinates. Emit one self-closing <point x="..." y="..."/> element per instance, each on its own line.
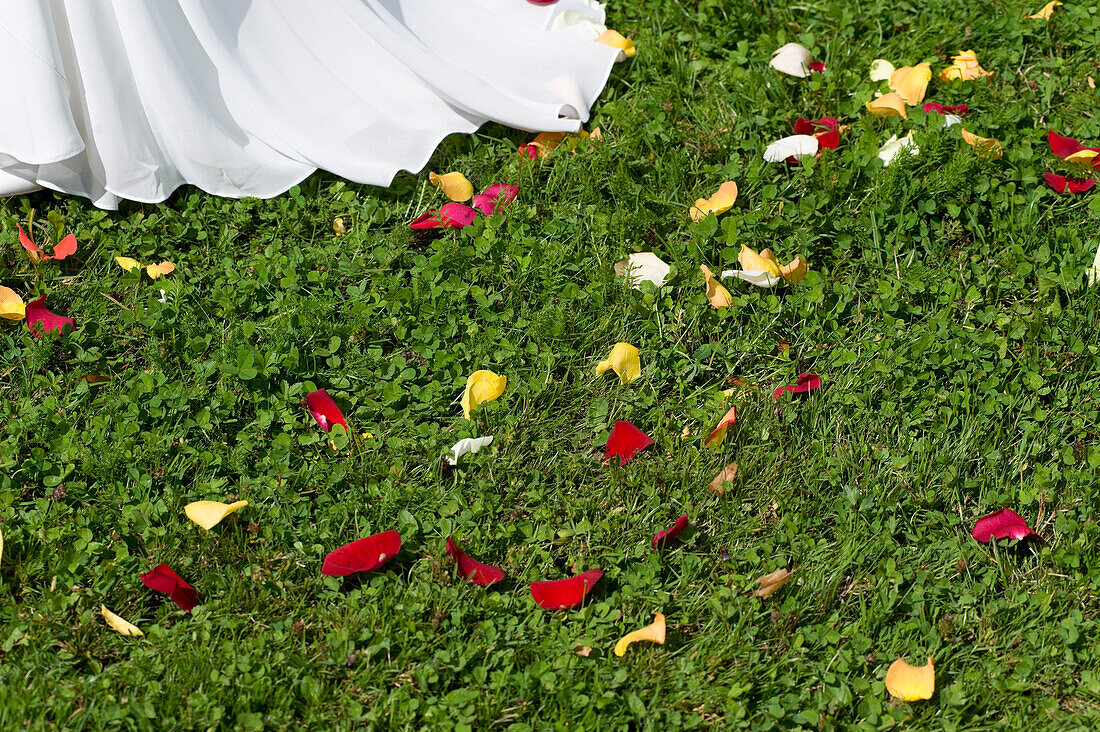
<point x="363" y="555"/>
<point x="161" y="578"/>
<point x="529" y="151"/>
<point x="40" y="320"/>
<point x="664" y="536"/>
<point x="1002" y="524"/>
<point x="450" y="216"/>
<point x="625" y="441"/>
<point x="473" y="570"/>
<point x="1063" y="147"/>
<point x="960" y="109"/>
<point x="324" y="410"/>
<point x="494" y="198"/>
<point x="828" y="140"/>
<point x="1062" y="184"/>
<point x="817" y="66"/>
<point x="803" y="126"/>
<point x="806" y="383"/>
<point x="560" y="594"/>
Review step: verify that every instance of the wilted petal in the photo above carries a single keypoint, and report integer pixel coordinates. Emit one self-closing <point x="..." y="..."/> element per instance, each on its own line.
<point x="127" y="263"/>
<point x="161" y="578"/>
<point x="911" y="683"/>
<point x="494" y="198"/>
<point x="624" y="360"/>
<point x="118" y="624"/>
<point x="643" y="267"/>
<point x="40" y="320"/>
<point x="718" y="435"/>
<point x="911" y="82"/>
<point x="769" y="583"/>
<point x="881" y="70"/>
<point x="617" y="40"/>
<point x="1002" y="524"/>
<point x="481" y="386"/>
<point x="1046" y="11"/>
<point x="566" y="593"/>
<point x="467" y="446"/>
<point x="985" y="147"/>
<point x="324" y="410"/>
<point x="209" y="514"/>
<point x="806" y="383"/>
<point x="728" y="474"/>
<point x="718" y="204"/>
<point x="793" y="59"/>
<point x="473" y="570"/>
<point x="654" y="633"/>
<point x="888" y="105"/>
<point x="718" y="295"/>
<point x="794" y="146"/>
<point x="894" y="146"/>
<point x="159" y="270"/>
<point x="363" y="555"/>
<point x="624" y="442"/>
<point x="454" y="185"/>
<point x="664" y="536"/>
<point x="1059" y="183"/>
<point x="11" y="305"/>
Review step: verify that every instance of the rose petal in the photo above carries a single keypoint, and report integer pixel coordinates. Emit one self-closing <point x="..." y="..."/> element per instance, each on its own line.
<point x="11" y="305"/>
<point x="565" y="593"/>
<point x="911" y="683"/>
<point x="722" y="201"/>
<point x="467" y="446"/>
<point x="795" y="271"/>
<point x="911" y="82"/>
<point x="64" y="248"/>
<point x="817" y="66"/>
<point x="1070" y="149"/>
<point x="363" y="555"/>
<point x="625" y="362"/>
<point x="894" y="146"/>
<point x="473" y="570"/>
<point x="964" y="68"/>
<point x="664" y="536"/>
<point x="959" y="109"/>
<point x="806" y="383"/>
<point x="454" y="185"/>
<point x="654" y="633"/>
<point x="828" y="140"/>
<point x="118" y="624"/>
<point x="40" y="320"/>
<point x="888" y="105"/>
<point x="450" y="215"/>
<point x="757" y="277"/>
<point x="159" y="270"/>
<point x="324" y="410"/>
<point x="1046" y="11"/>
<point x="718" y="435"/>
<point x="728" y="475"/>
<point x="494" y="198"/>
<point x="127" y="263"/>
<point x="881" y="70"/>
<point x="209" y="514"/>
<point x="161" y="578"/>
<point x="30" y="246"/>
<point x="793" y="59"/>
<point x="718" y="295"/>
<point x="770" y="583"/>
<point x="624" y="442"/>
<point x="750" y="260"/>
<point x="617" y="40"/>
<point x="643" y="267"/>
<point x="1059" y="183"/>
<point x="984" y="147"/>
<point x="794" y="146"/>
<point x="1002" y="524"/>
<point x="481" y="386"/>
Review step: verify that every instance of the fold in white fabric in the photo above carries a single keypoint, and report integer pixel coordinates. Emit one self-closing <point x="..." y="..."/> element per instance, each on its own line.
<point x="129" y="99"/>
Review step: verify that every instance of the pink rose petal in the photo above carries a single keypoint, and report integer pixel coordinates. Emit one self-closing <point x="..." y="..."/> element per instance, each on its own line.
<point x="40" y="320"/>
<point x="1002" y="524"/>
<point x="494" y="198"/>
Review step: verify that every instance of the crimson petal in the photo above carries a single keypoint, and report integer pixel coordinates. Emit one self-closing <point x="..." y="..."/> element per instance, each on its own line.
<point x="161" y="578"/>
<point x="324" y="410"/>
<point x="817" y="66"/>
<point x="451" y="216"/>
<point x="494" y="198"/>
<point x="363" y="555"/>
<point x="664" y="536"/>
<point x="40" y="320"/>
<point x="960" y="109"/>
<point x="829" y="140"/>
<point x="806" y="383"/>
<point x="561" y="594"/>
<point x="1002" y="524"/>
<point x="473" y="570"/>
<point x="1063" y="147"/>
<point x="624" y="441"/>
<point x="1062" y="184"/>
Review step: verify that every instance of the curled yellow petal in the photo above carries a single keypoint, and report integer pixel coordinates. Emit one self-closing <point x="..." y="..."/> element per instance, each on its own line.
<point x="748" y="259"/>
<point x="796" y="271"/>
<point x="1047" y="11"/>
<point x="718" y="204"/>
<point x="127" y="264"/>
<point x="118" y="624"/>
<point x="718" y="296"/>
<point x="12" y="306"/>
<point x="911" y="82"/>
<point x="910" y="683"/>
<point x="1081" y="156"/>
<point x="985" y="147"/>
<point x="625" y="362"/>
<point x="481" y="386"/>
<point x="965" y="67"/>
<point x="617" y="40"/>
<point x="769" y="583"/>
<point x="209" y="514"/>
<point x="654" y="633"/>
<point x="718" y="435"/>
<point x="454" y="185"/>
<point x="888" y="105"/>
<point x="157" y="270"/>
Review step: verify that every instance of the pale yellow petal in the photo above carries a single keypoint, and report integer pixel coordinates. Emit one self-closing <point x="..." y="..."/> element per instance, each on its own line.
<point x="454" y="185"/>
<point x="881" y="70"/>
<point x="769" y="583"/>
<point x="1047" y="11"/>
<point x="888" y="105"/>
<point x="654" y="633"/>
<point x="12" y="306"/>
<point x="209" y="514"/>
<point x="1082" y="156"/>
<point x="481" y="386"/>
<point x="718" y="296"/>
<point x="617" y="40"/>
<point x="749" y="259"/>
<point x="911" y="82"/>
<point x="158" y="270"/>
<point x="118" y="624"/>
<point x="625" y="362"/>
<point x="127" y="264"/>
<point x="911" y="683"/>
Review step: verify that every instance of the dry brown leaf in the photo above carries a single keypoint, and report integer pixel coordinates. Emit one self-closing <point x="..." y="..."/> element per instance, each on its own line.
<point x="728" y="475"/>
<point x="582" y="650"/>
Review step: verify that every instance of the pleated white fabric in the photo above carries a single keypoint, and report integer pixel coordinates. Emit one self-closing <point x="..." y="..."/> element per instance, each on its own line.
<point x="129" y="99"/>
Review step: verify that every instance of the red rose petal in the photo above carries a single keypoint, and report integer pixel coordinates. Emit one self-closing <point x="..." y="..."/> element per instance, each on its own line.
<point x="451" y="216"/>
<point x="624" y="441"/>
<point x="64" y="248"/>
<point x="494" y="198"/>
<point x="324" y="410"/>
<point x="828" y="140"/>
<point x="40" y="320"/>
<point x="161" y="578"/>
<point x="817" y="66"/>
<point x="720" y="431"/>
<point x="363" y="555"/>
<point x="529" y="151"/>
<point x="1001" y="524"/>
<point x="560" y="594"/>
<point x="803" y="126"/>
<point x="806" y="383"/>
<point x="960" y="109"/>
<point x="1063" y="147"/>
<point x="664" y="536"/>
<point x="1062" y="184"/>
<point x="473" y="570"/>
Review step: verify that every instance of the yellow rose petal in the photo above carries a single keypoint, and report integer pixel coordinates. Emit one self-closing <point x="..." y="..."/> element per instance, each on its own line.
<point x="748" y="259"/>
<point x="617" y="40"/>
<point x="718" y="435"/>
<point x="454" y="185"/>
<point x="118" y="624"/>
<point x="157" y="270"/>
<point x="12" y="306"/>
<point x="654" y="633"/>
<point x="624" y="360"/>
<point x="481" y="386"/>
<point x="718" y="204"/>
<point x="718" y="296"/>
<point x="910" y="683"/>
<point x="1082" y="156"/>
<point x="888" y="105"/>
<point x="796" y="271"/>
<point x="209" y="514"/>
<point x="127" y="264"/>
<point x="964" y="68"/>
<point x="985" y="147"/>
<point x="1047" y="11"/>
<point x="911" y="82"/>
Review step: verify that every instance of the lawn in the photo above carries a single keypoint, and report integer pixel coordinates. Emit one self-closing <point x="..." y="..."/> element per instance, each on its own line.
<point x="946" y="312"/>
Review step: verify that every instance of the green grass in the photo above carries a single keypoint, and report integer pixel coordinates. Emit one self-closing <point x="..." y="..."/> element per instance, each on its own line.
<point x="946" y="313"/>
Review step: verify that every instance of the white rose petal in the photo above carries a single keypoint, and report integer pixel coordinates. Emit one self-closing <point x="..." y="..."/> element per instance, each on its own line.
<point x="466" y="446"/>
<point x="951" y="119"/>
<point x="793" y="59"/>
<point x="793" y="146"/>
<point x="757" y="277"/>
<point x="642" y="267"/>
<point x="894" y="146"/>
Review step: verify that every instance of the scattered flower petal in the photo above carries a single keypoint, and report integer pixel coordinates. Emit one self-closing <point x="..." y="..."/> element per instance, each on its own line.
<point x="63" y="249"/>
<point x="911" y="82"/>
<point x="664" y="536"/>
<point x="450" y="215"/>
<point x="161" y="578"/>
<point x="127" y="263"/>
<point x="728" y="475"/>
<point x="986" y="148"/>
<point x="959" y="109"/>
<point x="159" y="270"/>
<point x="454" y="185"/>
<point x="494" y="198"/>
<point x="888" y="105"/>
<point x="624" y="442"/>
<point x="654" y="633"/>
<point x="338" y="226"/>
<point x="964" y="68"/>
<point x="1046" y="11"/>
<point x="795" y="146"/>
<point x="363" y="555"/>
<point x="795" y="271"/>
<point x="1002" y="524"/>
<point x="757" y="277"/>
<point x="911" y="683"/>
<point x="792" y="59"/>
<point x="625" y="362"/>
<point x="209" y="514"/>
<point x="11" y="305"/>
<point x="473" y="570"/>
<point x="894" y="146"/>
<point x="642" y="267"/>
<point x="565" y="593"/>
<point x="1071" y="150"/>
<point x="617" y="40"/>
<point x="881" y="70"/>
<point x="481" y="386"/>
<point x="718" y="295"/>
<point x="40" y="320"/>
<point x="718" y="204"/>
<point x="806" y="383"/>
<point x="324" y="410"/>
<point x="1059" y="183"/>
<point x="467" y="446"/>
<point x="718" y="435"/>
<point x="951" y="119"/>
<point x="770" y="583"/>
<point x="582" y="650"/>
<point x="764" y="261"/>
<point x="118" y="624"/>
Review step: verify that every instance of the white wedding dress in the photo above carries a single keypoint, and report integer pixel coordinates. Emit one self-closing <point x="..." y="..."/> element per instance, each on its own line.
<point x="129" y="99"/>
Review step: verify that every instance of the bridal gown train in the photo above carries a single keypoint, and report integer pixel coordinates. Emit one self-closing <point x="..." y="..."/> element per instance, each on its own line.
<point x="129" y="99"/>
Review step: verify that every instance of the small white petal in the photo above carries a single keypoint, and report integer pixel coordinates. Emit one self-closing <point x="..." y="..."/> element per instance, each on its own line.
<point x="951" y="119"/>
<point x="793" y="59"/>
<point x="881" y="70"/>
<point x="163" y="296"/>
<point x="793" y="146"/>
<point x="643" y="266"/>
<point x="894" y="146"/>
<point x="466" y="446"/>
<point x="757" y="277"/>
<point x="1094" y="270"/>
